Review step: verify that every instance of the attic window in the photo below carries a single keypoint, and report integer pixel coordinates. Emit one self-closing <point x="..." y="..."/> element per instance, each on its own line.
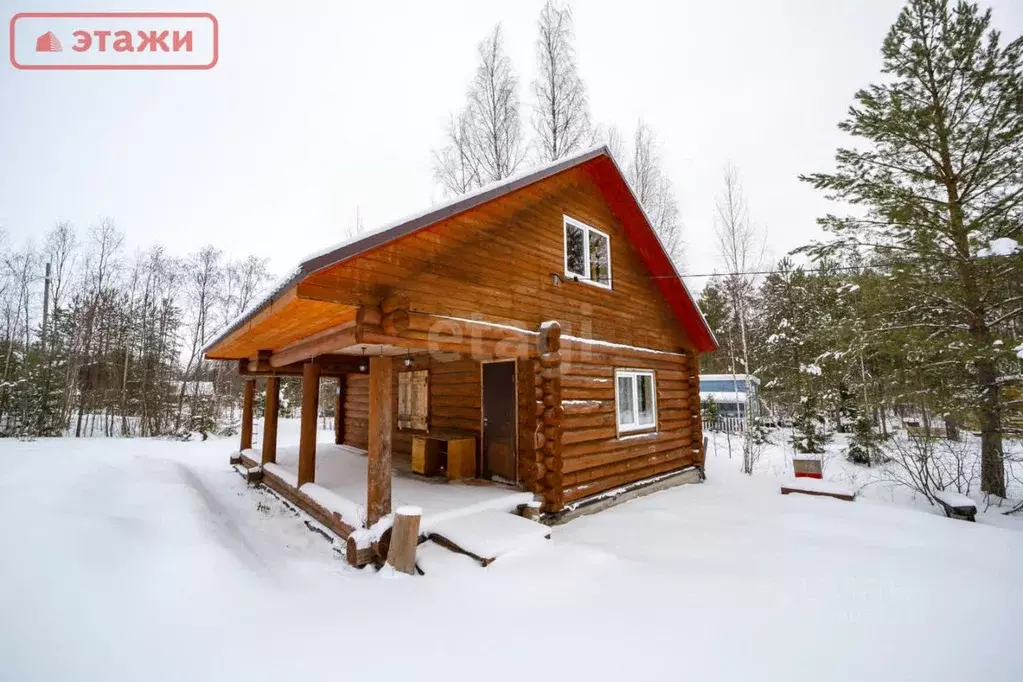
<point x="587" y="254"/>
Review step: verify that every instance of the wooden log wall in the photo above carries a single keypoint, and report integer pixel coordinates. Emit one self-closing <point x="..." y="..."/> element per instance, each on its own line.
<point x="569" y="447"/>
<point x="547" y="476"/>
<point x="498" y="260"/>
<point x="695" y="409"/>
<point x="593" y="457"/>
<point x="454" y="401"/>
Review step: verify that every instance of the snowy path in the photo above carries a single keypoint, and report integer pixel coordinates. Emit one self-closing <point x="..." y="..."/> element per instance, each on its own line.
<point x="128" y="560"/>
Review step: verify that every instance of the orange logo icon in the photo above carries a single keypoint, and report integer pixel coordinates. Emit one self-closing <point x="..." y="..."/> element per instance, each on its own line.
<point x="48" y="42"/>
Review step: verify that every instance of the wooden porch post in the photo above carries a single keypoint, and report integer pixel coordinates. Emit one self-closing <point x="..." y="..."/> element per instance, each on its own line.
<point x="381" y="424"/>
<point x="249" y="395"/>
<point x="307" y="434"/>
<point x="339" y="410"/>
<point x="270" y="411"/>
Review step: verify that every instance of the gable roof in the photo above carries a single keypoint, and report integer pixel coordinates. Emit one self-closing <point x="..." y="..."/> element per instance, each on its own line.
<point x="610" y="180"/>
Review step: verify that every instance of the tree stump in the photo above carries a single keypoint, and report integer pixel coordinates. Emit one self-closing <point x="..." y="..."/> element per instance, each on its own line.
<point x="401" y="554"/>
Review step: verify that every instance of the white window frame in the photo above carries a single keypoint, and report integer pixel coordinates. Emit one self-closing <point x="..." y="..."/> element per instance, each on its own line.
<point x="585" y="276"/>
<point x="632" y="374"/>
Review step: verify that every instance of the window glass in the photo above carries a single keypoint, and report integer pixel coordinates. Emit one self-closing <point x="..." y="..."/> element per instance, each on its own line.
<point x="637" y="400"/>
<point x="645" y="398"/>
<point x="599" y="260"/>
<point x="626" y="413"/>
<point x="587" y="254"/>
<point x="575" y="250"/>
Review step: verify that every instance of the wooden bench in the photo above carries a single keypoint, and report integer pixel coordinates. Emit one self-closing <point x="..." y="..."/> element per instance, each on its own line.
<point x="460" y="453"/>
<point x="955" y="505"/>
<point x="811" y="470"/>
<point x="820" y="488"/>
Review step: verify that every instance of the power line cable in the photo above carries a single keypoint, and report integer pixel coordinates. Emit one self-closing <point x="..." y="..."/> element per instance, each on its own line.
<point x="782" y="272"/>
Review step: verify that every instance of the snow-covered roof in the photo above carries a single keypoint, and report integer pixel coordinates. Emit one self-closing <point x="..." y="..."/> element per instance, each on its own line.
<point x="723" y="396"/>
<point x="366" y="241"/>
<point x="729" y="377"/>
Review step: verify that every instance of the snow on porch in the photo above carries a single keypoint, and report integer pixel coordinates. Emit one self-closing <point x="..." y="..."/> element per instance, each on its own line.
<point x="341" y="477"/>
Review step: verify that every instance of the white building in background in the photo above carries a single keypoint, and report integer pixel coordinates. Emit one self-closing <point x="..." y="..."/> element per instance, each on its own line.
<point x="729" y="394"/>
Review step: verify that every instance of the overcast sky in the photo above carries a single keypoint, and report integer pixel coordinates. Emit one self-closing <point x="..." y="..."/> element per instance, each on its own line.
<point x="318" y="110"/>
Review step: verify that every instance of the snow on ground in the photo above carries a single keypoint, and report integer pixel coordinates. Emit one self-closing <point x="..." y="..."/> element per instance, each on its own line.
<point x="872" y="483"/>
<point x="149" y="559"/>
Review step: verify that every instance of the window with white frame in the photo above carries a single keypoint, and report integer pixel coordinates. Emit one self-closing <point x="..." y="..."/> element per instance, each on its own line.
<point x="587" y="253"/>
<point x="636" y="400"/>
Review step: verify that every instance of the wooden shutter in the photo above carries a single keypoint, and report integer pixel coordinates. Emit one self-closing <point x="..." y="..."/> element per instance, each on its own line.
<point x="414" y="400"/>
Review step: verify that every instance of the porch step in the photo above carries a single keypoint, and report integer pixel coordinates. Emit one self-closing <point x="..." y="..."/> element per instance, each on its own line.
<point x="487" y="535"/>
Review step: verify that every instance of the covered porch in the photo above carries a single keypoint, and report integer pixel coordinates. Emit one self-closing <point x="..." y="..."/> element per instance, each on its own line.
<point x="351" y="485"/>
<point x="342" y="470"/>
<point x="337" y="498"/>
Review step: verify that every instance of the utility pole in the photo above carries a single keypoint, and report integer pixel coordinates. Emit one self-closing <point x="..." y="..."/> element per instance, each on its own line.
<point x="46" y="308"/>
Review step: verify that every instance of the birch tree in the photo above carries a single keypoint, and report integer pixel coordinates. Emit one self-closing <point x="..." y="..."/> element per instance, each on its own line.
<point x="561" y="116"/>
<point x="655" y="190"/>
<point x="455" y="166"/>
<point x="484" y="141"/>
<point x="493" y="105"/>
<point x="107" y="360"/>
<point x="741" y="250"/>
<point x="203" y="276"/>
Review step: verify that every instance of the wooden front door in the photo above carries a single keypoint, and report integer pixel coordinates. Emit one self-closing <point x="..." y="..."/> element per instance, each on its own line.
<point x="498" y="446"/>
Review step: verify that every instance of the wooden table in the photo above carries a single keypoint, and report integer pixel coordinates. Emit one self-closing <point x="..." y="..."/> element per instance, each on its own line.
<point x="459" y="453"/>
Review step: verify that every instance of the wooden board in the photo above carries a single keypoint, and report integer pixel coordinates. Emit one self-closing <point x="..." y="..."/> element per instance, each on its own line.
<point x="462" y="458"/>
<point x="846" y="496"/>
<point x="426" y="456"/>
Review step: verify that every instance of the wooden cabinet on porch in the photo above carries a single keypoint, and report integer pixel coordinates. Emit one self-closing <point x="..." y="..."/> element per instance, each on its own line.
<point x="454" y="449"/>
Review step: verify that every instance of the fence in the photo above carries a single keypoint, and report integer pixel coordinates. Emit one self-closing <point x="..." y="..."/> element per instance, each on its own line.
<point x="727" y="425"/>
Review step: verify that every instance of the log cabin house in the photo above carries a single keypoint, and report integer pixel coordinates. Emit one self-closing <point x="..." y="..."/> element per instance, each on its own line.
<point x="537" y="327"/>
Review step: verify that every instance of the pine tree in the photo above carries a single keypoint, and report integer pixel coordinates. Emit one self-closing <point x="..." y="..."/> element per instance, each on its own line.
<point x="716" y="309"/>
<point x="941" y="179"/>
<point x="808" y="433"/>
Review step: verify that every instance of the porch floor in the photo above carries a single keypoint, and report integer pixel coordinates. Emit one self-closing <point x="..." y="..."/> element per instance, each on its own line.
<point x="343" y="470"/>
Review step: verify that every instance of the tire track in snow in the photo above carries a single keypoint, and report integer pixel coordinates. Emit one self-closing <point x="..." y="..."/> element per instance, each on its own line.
<point x="227" y="531"/>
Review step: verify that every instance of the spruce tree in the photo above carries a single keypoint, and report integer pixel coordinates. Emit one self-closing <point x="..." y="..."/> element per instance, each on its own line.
<point x="940" y="178"/>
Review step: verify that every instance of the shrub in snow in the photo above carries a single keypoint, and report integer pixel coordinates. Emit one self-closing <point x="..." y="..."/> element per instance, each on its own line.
<point x="229" y="430"/>
<point x="710" y="411"/>
<point x="927" y="465"/>
<point x="204" y="424"/>
<point x="183" y="435"/>
<point x="808" y="434"/>
<point x="758" y="432"/>
<point x="864" y="443"/>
